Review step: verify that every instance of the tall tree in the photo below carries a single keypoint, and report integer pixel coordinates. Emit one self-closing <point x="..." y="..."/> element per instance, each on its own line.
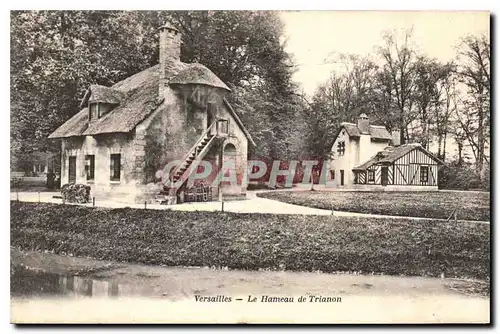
<point x="474" y="73"/>
<point x="342" y="98"/>
<point x="431" y="84"/>
<point x="399" y="79"/>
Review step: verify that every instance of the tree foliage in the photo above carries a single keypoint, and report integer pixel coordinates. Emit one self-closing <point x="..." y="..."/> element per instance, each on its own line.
<point x="56" y="55"/>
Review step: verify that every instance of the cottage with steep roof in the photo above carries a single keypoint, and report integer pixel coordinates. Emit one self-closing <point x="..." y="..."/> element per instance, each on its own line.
<point x="366" y="156"/>
<point x="125" y="134"/>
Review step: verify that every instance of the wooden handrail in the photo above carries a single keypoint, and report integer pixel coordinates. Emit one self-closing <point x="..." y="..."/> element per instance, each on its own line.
<point x="192" y="149"/>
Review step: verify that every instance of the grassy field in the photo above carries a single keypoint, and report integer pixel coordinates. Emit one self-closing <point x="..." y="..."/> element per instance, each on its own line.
<point x="255" y="241"/>
<point x="471" y="205"/>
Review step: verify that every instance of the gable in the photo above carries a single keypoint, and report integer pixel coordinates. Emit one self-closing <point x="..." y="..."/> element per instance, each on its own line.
<point x="239" y="122"/>
<point x="342" y="135"/>
<point x="419" y="156"/>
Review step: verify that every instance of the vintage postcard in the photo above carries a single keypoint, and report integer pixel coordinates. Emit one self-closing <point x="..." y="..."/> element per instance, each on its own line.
<point x="241" y="167"/>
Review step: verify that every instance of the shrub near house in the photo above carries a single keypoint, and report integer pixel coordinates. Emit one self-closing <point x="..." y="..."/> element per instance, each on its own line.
<point x="75" y="193"/>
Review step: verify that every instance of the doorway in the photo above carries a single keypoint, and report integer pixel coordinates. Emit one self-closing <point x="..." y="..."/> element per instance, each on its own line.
<point x="384" y="176"/>
<point x="72" y="170"/>
<point x="210" y="114"/>
<point x="341" y="177"/>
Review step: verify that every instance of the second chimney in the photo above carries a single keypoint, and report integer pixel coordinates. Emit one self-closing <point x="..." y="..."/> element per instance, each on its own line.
<point x="396" y="137"/>
<point x="170" y="52"/>
<point x="364" y="124"/>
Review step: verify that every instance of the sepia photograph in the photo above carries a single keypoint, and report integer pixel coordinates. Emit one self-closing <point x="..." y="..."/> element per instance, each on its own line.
<point x="250" y="167"/>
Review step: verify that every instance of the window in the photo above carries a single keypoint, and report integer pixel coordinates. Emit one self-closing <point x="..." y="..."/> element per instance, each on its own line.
<point x="371" y="176"/>
<point x="223" y="126"/>
<point x="424" y="174"/>
<point x="341" y="148"/>
<point x="72" y="169"/>
<point x="332" y="175"/>
<point x="90" y="167"/>
<point x="115" y="167"/>
<point x="93" y="111"/>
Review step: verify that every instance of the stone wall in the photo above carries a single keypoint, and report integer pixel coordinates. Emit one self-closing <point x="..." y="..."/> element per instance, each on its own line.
<point x="102" y="146"/>
<point x="171" y="131"/>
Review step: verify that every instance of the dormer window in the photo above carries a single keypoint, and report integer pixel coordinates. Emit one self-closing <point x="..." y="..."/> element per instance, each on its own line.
<point x="101" y="100"/>
<point x="94" y="111"/>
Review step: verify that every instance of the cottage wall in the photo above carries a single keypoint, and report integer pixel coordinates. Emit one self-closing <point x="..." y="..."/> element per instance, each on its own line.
<point x="237" y="138"/>
<point x="343" y="162"/>
<point x="403" y="174"/>
<point x="357" y="151"/>
<point x="172" y="130"/>
<point x="101" y="146"/>
<point x="365" y="148"/>
<point x="407" y="169"/>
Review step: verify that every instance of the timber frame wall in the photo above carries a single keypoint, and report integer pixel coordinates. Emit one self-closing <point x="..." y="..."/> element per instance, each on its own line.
<point x="404" y="171"/>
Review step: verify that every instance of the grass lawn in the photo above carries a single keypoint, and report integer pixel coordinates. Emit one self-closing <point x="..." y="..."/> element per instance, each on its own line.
<point x="438" y="204"/>
<point x="255" y="241"/>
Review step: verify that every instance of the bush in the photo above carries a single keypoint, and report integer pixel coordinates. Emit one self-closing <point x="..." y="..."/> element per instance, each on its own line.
<point x="458" y="177"/>
<point x="463" y="177"/>
<point x="255" y="241"/>
<point x="75" y="193"/>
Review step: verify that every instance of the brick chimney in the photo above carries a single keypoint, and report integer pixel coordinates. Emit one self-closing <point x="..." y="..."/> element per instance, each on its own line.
<point x="364" y="124"/>
<point x="170" y="52"/>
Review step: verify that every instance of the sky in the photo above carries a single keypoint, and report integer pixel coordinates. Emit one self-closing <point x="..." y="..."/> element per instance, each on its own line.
<point x="313" y="37"/>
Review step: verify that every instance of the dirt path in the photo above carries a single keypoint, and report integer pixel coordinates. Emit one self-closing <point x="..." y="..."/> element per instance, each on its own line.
<point x="161" y="294"/>
<point x="252" y="204"/>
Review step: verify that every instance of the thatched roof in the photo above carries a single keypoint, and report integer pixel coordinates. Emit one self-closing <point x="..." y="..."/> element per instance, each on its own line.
<point x="138" y="99"/>
<point x="198" y="74"/>
<point x="139" y="92"/>
<point x="103" y="94"/>
<point x="392" y="153"/>
<point x="376" y="131"/>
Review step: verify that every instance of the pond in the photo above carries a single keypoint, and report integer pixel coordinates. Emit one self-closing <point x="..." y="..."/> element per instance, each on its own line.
<point x="26" y="282"/>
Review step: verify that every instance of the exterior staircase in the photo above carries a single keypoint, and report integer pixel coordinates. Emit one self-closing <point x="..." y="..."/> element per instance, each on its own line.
<point x="195" y="156"/>
<point x="181" y="173"/>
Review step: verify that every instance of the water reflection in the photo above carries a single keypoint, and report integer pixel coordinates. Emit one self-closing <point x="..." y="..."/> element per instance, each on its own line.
<point x="30" y="282"/>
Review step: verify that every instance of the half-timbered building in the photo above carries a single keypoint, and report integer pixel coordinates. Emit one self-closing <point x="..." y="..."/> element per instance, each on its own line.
<point x="369" y="157"/>
<point x="405" y="167"/>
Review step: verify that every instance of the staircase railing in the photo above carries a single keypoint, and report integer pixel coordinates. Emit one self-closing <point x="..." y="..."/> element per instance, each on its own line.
<point x="194" y="148"/>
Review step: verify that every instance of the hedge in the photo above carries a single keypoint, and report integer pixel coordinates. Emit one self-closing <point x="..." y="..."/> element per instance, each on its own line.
<point x="255" y="241"/>
<point x="434" y="204"/>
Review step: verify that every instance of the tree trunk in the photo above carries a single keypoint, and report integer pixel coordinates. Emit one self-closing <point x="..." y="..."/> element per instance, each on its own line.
<point x="444" y="147"/>
<point x="425" y="136"/>
<point x="440" y="139"/>
<point x="460" y="148"/>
